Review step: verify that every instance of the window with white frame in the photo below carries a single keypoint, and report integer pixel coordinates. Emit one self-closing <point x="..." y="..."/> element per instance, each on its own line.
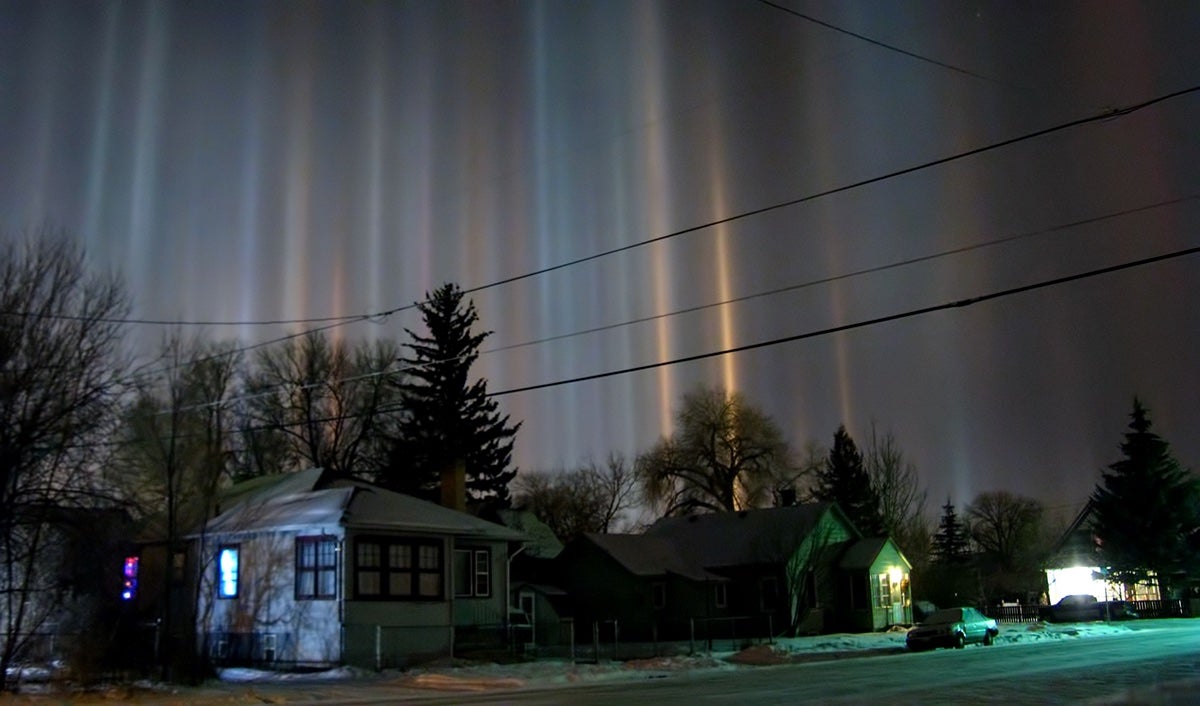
<point x="885" y="591"/>
<point x="316" y="568"/>
<point x="227" y="571"/>
<point x="472" y="573"/>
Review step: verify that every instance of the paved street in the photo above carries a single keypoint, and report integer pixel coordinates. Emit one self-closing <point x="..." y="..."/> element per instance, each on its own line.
<point x="1058" y="672"/>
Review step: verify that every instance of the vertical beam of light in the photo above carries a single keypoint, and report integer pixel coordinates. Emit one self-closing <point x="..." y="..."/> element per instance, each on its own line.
<point x="651" y="41"/>
<point x="298" y="166"/>
<point x="549" y="205"/>
<point x="251" y="177"/>
<point x="145" y="148"/>
<point x="718" y="193"/>
<point x="376" y="125"/>
<point x="101" y="128"/>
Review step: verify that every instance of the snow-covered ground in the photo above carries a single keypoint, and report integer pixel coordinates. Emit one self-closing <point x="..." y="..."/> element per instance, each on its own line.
<point x="478" y="676"/>
<point x="238" y="684"/>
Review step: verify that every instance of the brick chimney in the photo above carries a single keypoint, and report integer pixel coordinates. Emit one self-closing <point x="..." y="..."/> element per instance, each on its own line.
<point x="454" y="485"/>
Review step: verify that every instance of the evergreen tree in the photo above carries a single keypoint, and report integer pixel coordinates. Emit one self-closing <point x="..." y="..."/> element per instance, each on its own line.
<point x="844" y="480"/>
<point x="950" y="542"/>
<point x="1146" y="515"/>
<point x="447" y="419"/>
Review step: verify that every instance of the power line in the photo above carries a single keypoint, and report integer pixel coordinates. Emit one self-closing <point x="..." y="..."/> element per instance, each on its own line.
<point x="816" y="333"/>
<point x="389" y="370"/>
<point x="847" y="275"/>
<point x="1105" y="115"/>
<point x="876" y="42"/>
<point x="341" y="321"/>
<point x="962" y="303"/>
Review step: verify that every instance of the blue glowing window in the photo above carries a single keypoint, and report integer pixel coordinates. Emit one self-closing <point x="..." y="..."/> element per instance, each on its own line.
<point x="130" y="575"/>
<point x="227" y="572"/>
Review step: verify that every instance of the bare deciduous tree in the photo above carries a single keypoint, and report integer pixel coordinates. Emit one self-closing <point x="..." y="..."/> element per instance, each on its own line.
<point x="61" y="371"/>
<point x="1008" y="528"/>
<point x="901" y="497"/>
<point x="177" y="452"/>
<point x="725" y="455"/>
<point x="322" y="400"/>
<point x="584" y="500"/>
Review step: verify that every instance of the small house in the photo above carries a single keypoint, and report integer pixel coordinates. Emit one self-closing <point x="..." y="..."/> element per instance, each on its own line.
<point x="770" y="571"/>
<point x="312" y="570"/>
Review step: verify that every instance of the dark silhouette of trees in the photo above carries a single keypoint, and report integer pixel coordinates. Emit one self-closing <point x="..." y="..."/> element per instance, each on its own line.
<point x="845" y="481"/>
<point x="312" y="402"/>
<point x="448" y="419"/>
<point x="62" y="365"/>
<point x="901" y="497"/>
<point x="1008" y="531"/>
<point x="177" y="450"/>
<point x="725" y="455"/>
<point x="950" y="542"/>
<point x="1147" y="511"/>
<point x="588" y="499"/>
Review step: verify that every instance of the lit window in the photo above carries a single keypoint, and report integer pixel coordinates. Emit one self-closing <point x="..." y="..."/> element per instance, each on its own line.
<point x="129" y="588"/>
<point x="227" y="572"/>
<point x="885" y="591"/>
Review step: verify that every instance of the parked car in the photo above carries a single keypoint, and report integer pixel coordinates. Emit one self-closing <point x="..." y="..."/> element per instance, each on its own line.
<point x="1083" y="607"/>
<point x="952" y="627"/>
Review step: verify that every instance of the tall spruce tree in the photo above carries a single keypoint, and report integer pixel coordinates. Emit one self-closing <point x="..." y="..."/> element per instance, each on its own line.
<point x="1146" y="511"/>
<point x="950" y="546"/>
<point x="845" y="480"/>
<point x="448" y="419"/>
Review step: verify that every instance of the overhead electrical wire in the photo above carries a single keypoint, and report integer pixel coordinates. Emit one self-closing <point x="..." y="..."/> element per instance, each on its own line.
<point x="876" y="42"/>
<point x="389" y="370"/>
<point x="814" y="333"/>
<point x="1104" y="115"/>
<point x="962" y="303"/>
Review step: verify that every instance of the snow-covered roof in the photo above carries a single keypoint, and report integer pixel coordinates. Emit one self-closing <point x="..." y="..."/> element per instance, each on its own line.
<point x="307" y="500"/>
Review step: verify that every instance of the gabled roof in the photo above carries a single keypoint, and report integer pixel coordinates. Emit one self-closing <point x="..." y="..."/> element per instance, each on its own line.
<point x="863" y="553"/>
<point x="701" y="546"/>
<point x="643" y="555"/>
<point x="307" y="500"/>
<point x="726" y="539"/>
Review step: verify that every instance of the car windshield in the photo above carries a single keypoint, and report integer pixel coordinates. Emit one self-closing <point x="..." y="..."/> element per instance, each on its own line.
<point x="946" y="615"/>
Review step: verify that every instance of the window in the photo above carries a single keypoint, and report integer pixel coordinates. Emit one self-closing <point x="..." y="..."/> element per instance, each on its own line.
<point x="227" y="571"/>
<point x="398" y="569"/>
<point x="768" y="593"/>
<point x="720" y="595"/>
<point x="472" y="573"/>
<point x="316" y="568"/>
<point x="658" y="594"/>
<point x="885" y="591"/>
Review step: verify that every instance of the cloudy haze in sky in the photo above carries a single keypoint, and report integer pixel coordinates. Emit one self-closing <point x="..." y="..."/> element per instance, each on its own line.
<point x="285" y="160"/>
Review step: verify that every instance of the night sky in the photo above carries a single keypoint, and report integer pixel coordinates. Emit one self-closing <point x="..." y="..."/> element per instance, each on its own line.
<point x="286" y="160"/>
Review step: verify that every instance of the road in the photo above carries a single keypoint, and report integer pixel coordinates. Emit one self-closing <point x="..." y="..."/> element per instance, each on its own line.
<point x="1067" y="671"/>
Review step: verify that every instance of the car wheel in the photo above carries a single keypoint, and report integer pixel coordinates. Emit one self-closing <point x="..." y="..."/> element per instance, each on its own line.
<point x="987" y="638"/>
<point x="960" y="641"/>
